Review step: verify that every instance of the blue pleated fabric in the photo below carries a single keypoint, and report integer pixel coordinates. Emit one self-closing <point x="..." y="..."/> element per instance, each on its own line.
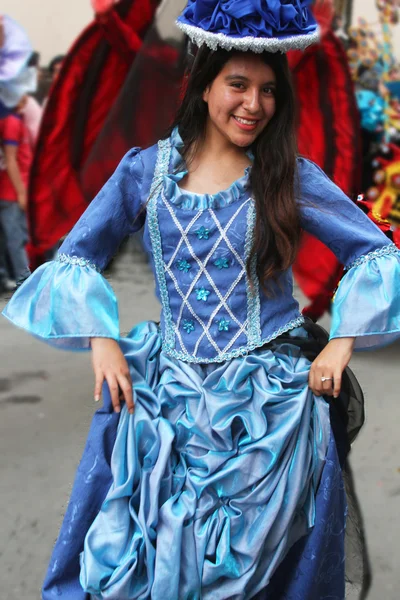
<point x="256" y="18"/>
<point x="367" y="303"/>
<point x="214" y="477"/>
<point x="65" y="305"/>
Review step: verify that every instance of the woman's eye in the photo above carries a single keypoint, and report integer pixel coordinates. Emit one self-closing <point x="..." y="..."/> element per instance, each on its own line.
<point x="269" y="90"/>
<point x="238" y="86"/>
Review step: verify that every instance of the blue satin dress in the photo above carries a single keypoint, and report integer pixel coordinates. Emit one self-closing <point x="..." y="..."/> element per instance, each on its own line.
<point x="226" y="483"/>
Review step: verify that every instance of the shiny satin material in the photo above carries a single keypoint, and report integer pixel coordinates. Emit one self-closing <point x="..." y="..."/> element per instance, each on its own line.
<point x="255" y="18"/>
<point x="372" y="290"/>
<point x="217" y="470"/>
<point x="68" y="305"/>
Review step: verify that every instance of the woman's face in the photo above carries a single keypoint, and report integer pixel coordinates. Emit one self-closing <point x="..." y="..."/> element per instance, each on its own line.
<point x="241" y="99"/>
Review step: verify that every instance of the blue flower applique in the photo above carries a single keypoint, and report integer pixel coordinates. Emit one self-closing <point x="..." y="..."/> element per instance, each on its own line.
<point x="223" y="324"/>
<point x="183" y="265"/>
<point x="188" y="325"/>
<point x="203" y="233"/>
<point x="222" y="263"/>
<point x="202" y="294"/>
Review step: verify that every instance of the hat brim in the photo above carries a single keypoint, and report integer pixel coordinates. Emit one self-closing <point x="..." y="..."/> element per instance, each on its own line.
<point x="245" y="44"/>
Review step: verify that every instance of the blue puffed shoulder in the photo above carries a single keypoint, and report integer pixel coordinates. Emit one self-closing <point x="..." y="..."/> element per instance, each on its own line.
<point x="367" y="302"/>
<point x="65" y="303"/>
<point x="329" y="215"/>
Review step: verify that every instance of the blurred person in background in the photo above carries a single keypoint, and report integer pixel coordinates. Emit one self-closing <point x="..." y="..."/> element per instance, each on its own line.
<point x="18" y="77"/>
<point x="32" y="111"/>
<point x="14" y="175"/>
<point x="55" y="66"/>
<point x="53" y="71"/>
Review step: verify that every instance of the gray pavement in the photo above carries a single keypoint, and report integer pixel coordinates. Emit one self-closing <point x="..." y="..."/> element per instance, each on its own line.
<point x="45" y="410"/>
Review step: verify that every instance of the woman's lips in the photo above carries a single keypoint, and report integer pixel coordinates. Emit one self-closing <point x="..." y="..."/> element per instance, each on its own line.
<point x="246" y="124"/>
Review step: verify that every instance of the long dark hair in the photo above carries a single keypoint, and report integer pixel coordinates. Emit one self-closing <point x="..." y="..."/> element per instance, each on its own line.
<point x="277" y="231"/>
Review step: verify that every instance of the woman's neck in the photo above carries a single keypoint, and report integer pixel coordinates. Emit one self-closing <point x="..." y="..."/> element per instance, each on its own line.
<point x="216" y="164"/>
<point x="216" y="148"/>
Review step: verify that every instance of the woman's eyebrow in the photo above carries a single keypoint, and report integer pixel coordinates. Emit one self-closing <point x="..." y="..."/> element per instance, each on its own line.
<point x="243" y="78"/>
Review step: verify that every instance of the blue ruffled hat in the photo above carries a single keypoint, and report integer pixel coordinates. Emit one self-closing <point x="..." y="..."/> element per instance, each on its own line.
<point x="255" y="25"/>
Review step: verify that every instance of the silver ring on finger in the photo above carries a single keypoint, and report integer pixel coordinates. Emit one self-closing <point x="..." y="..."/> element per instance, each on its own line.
<point x="326" y="379"/>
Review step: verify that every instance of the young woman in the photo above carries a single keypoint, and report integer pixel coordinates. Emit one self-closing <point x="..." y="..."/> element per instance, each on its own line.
<point x="214" y="469"/>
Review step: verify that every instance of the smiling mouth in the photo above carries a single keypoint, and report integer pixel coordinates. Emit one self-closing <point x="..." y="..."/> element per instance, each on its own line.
<point x="248" y="122"/>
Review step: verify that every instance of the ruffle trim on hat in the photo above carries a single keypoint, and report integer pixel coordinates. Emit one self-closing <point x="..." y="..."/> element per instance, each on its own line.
<point x="248" y="43"/>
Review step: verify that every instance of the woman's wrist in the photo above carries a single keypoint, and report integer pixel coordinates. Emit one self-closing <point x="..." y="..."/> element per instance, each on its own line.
<point x="95" y="342"/>
<point x="344" y="342"/>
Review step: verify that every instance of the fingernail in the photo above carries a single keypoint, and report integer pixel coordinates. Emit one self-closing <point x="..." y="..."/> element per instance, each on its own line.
<point x="117" y="409"/>
<point x="131" y="411"/>
<point x="97" y="398"/>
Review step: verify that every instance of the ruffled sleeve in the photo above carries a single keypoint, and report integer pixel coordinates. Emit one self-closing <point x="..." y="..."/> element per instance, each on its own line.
<point x="367" y="303"/>
<point x="67" y="301"/>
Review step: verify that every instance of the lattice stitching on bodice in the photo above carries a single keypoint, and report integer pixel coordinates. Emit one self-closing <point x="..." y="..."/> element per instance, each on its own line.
<point x="202" y="264"/>
<point x="166" y="269"/>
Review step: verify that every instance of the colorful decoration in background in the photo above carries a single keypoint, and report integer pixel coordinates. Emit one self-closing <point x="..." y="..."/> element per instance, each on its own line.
<point x="373" y="66"/>
<point x="365" y="48"/>
<point x="376" y="74"/>
<point x="388" y="17"/>
<point x="382" y="200"/>
<point x="390" y="8"/>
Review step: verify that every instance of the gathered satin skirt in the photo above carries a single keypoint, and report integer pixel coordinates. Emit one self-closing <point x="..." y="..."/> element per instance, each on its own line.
<point x="224" y="484"/>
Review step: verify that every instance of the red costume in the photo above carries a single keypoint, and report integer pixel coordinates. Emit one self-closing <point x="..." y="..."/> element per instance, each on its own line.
<point x="89" y="82"/>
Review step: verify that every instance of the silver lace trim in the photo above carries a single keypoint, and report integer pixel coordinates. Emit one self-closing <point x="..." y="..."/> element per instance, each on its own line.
<point x="237" y="352"/>
<point x="78" y="261"/>
<point x="384" y="251"/>
<point x="252" y="285"/>
<point x="220" y="40"/>
<point x="163" y="159"/>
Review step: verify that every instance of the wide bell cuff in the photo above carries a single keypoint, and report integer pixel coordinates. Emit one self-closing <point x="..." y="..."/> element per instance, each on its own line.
<point x="367" y="303"/>
<point x="65" y="304"/>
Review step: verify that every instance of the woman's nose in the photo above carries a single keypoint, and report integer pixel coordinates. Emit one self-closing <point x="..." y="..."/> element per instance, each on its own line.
<point x="251" y="101"/>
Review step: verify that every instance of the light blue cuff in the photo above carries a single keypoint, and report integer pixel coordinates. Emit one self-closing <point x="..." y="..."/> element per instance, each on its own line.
<point x="65" y="304"/>
<point x="367" y="303"/>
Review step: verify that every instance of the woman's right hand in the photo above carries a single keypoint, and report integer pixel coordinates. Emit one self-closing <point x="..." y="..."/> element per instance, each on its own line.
<point x="110" y="364"/>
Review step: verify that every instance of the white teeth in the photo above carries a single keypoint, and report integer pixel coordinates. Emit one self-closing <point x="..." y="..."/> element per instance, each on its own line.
<point x="245" y="121"/>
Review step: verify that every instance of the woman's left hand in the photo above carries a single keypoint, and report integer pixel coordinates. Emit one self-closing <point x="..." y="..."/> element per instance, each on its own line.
<point x="326" y="371"/>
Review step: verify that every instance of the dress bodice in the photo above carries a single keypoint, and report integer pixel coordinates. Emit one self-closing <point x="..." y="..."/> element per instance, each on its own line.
<point x="200" y="247"/>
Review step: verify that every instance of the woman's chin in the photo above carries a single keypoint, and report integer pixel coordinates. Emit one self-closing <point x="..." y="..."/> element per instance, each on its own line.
<point x="243" y="140"/>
